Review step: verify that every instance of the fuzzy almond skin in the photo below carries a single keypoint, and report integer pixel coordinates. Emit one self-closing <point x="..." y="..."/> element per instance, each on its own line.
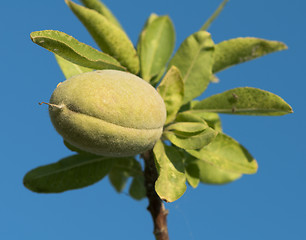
<point x="108" y="113"/>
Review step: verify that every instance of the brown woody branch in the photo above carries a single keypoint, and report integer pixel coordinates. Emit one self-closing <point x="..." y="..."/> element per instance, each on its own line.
<point x="156" y="206"/>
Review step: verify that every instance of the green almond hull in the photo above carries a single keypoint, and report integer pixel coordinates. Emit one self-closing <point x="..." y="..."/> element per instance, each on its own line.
<point x="108" y="113"/>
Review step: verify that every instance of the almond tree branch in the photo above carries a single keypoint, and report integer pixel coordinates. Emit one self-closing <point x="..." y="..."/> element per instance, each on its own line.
<point x="156" y="206"/>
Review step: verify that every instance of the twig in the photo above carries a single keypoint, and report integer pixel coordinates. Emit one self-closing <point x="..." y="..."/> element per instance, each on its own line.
<point x="156" y="206"/>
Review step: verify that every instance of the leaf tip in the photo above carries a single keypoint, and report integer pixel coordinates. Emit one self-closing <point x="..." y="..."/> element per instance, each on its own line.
<point x="283" y="46"/>
<point x="29" y="184"/>
<point x="255" y="169"/>
<point x="32" y="36"/>
<point x="70" y="4"/>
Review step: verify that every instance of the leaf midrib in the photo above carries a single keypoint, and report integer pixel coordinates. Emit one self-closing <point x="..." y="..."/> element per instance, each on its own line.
<point x="243" y="110"/>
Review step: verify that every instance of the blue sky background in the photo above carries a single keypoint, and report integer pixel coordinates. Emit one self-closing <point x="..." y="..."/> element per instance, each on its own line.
<point x="267" y="205"/>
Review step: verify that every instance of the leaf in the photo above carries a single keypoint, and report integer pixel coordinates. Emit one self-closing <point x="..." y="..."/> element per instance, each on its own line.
<point x="155" y="80"/>
<point x="195" y="141"/>
<point x="214" y="16"/>
<point x="187" y="127"/>
<point x="170" y="184"/>
<point x="121" y="170"/>
<point x="187" y="122"/>
<point x="212" y="119"/>
<point x="155" y="46"/>
<point x="118" y="179"/>
<point x="137" y="188"/>
<point x="245" y="101"/>
<point x="70" y="69"/>
<point x="188" y="117"/>
<point x="192" y="174"/>
<point x="110" y="38"/>
<point x="212" y="175"/>
<point x="227" y="154"/>
<point x="72" y="172"/>
<point x="74" y="51"/>
<point x="150" y="19"/>
<point x="171" y="90"/>
<point x="239" y="50"/>
<point x="189" y="132"/>
<point x="102" y="9"/>
<point x="194" y="59"/>
<point x="75" y="149"/>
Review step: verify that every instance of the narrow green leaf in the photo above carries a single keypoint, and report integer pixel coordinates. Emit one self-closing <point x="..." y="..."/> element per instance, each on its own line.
<point x="110" y="38"/>
<point x="121" y="170"/>
<point x="212" y="119"/>
<point x="129" y="165"/>
<point x="245" y="101"/>
<point x="239" y="50"/>
<point x="212" y="175"/>
<point x="150" y="19"/>
<point x="118" y="179"/>
<point x="187" y="122"/>
<point x="192" y="174"/>
<point x="72" y="172"/>
<point x="189" y="117"/>
<point x="75" y="149"/>
<point x="156" y="79"/>
<point x="187" y="127"/>
<point x="192" y="141"/>
<point x="194" y="59"/>
<point x="171" y="90"/>
<point x="227" y="154"/>
<point x="74" y="51"/>
<point x="156" y="46"/>
<point x="102" y="9"/>
<point x="170" y="184"/>
<point x="70" y="69"/>
<point x="189" y="132"/>
<point x="214" y="16"/>
<point x="137" y="188"/>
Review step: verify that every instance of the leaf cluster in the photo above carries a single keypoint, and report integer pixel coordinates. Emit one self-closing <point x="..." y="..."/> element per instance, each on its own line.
<point x="193" y="147"/>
